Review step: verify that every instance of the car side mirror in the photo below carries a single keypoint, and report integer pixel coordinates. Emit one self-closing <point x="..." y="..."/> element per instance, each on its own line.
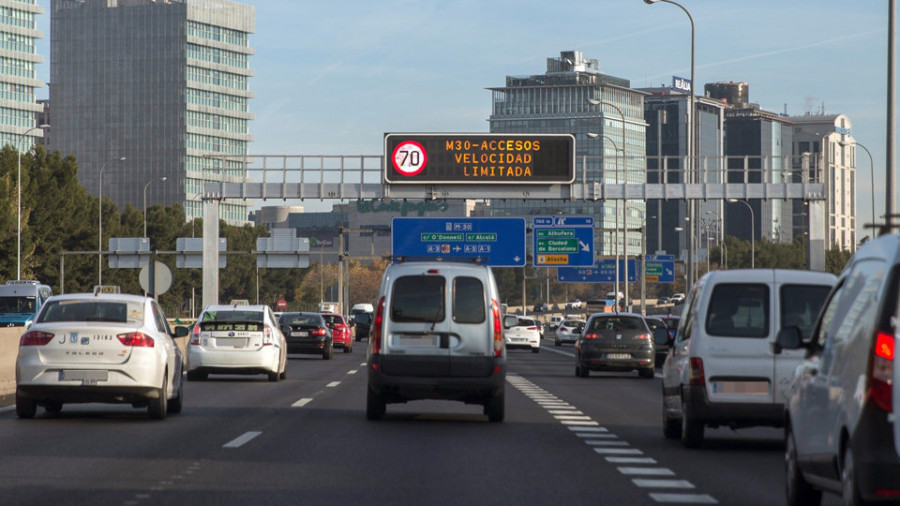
<point x="181" y="331"/>
<point x="788" y="338"/>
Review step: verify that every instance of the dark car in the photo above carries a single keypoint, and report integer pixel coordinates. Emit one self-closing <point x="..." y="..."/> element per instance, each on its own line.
<point x="661" y="339"/>
<point x="307" y="333"/>
<point x="615" y="342"/>
<point x="541" y="307"/>
<point x="363" y="324"/>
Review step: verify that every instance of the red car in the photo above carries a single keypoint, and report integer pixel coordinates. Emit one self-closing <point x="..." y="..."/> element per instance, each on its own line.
<point x="340" y="331"/>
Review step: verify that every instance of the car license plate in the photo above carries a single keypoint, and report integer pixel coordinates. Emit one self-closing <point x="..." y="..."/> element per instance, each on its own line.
<point x="86" y="377"/>
<point x="617" y="356"/>
<point x="741" y="387"/>
<point x="300" y="334"/>
<point x="407" y="340"/>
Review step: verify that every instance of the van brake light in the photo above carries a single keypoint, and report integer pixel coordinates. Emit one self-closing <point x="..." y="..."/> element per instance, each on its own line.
<point x="697" y="376"/>
<point x="498" y="329"/>
<point x="377" y="327"/>
<point x="881" y="372"/>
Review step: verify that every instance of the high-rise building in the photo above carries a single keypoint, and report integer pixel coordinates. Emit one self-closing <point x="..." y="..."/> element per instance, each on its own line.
<point x="18" y="33"/>
<point x="824" y="142"/>
<point x="160" y="83"/>
<point x="607" y="118"/>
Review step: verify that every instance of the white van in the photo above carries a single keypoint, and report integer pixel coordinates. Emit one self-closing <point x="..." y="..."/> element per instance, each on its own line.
<point x="437" y="334"/>
<point x="724" y="368"/>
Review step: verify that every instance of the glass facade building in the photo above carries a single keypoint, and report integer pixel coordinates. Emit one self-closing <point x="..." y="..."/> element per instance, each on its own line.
<point x="18" y="62"/>
<point x="162" y="83"/>
<point x="607" y="118"/>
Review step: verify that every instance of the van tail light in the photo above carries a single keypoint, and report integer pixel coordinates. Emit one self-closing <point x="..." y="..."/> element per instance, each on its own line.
<point x="697" y="376"/>
<point x="195" y="335"/>
<point x="267" y="337"/>
<point x="35" y="338"/>
<point x="881" y="372"/>
<point x="498" y="329"/>
<point x="377" y="326"/>
<point x="136" y="340"/>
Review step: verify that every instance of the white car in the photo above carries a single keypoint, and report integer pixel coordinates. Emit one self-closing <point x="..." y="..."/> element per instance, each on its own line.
<point x="104" y="347"/>
<point x="521" y="331"/>
<point x="568" y="331"/>
<point x="230" y="339"/>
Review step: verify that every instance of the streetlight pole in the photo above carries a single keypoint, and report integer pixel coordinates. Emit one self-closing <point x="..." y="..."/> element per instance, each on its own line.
<point x="752" y="231"/>
<point x="690" y="139"/>
<point x="19" y="205"/>
<point x="100" y="221"/>
<point x="616" y="222"/>
<point x="871" y="173"/>
<point x="161" y="179"/>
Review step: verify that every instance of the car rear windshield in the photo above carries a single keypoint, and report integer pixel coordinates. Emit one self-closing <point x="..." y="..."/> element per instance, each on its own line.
<point x="738" y="310"/>
<point x="301" y="319"/>
<point x="333" y="319"/>
<point x="617" y="323"/>
<point x="231" y="315"/>
<point x="800" y="306"/>
<point x="420" y="298"/>
<point x="92" y="311"/>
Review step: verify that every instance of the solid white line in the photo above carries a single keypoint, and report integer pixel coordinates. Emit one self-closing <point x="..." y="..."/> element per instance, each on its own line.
<point x="649" y="483"/>
<point x="333" y="384"/>
<point x="547" y="348"/>
<point x="352" y="371"/>
<point x="684" y="498"/>
<point x="302" y="402"/>
<point x="240" y="441"/>
<point x="649" y="471"/>
<point x="7" y="408"/>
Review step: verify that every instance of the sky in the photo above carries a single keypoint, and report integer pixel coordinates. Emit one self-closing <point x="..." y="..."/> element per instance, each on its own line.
<point x="332" y="77"/>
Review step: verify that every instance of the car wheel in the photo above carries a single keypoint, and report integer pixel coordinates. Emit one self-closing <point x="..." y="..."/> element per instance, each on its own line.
<point x="53" y="407"/>
<point x="273" y="376"/>
<point x="495" y="408"/>
<point x="558" y="343"/>
<point x="536" y="350"/>
<point x="849" y="488"/>
<point x="348" y="348"/>
<point x="671" y="426"/>
<point x="328" y="352"/>
<point x="646" y="373"/>
<point x="25" y="408"/>
<point x="581" y="371"/>
<point x="799" y="492"/>
<point x="375" y="406"/>
<point x="156" y="408"/>
<point x="177" y="403"/>
<point x="691" y="430"/>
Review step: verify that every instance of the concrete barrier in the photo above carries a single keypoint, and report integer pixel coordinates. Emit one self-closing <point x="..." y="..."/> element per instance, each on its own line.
<point x="9" y="349"/>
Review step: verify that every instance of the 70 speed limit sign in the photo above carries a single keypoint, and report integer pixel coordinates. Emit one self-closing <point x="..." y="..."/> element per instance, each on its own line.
<point x="409" y="158"/>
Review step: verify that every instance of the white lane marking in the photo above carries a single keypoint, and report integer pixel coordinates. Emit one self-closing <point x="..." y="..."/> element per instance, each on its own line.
<point x="565" y="353"/>
<point x="684" y="498"/>
<point x="618" y="451"/>
<point x="302" y="402"/>
<point x="577" y="422"/>
<point x="363" y="364"/>
<point x="352" y="371"/>
<point x="588" y="429"/>
<point x="597" y="439"/>
<point x="240" y="441"/>
<point x="333" y="384"/>
<point x="566" y="411"/>
<point x="601" y="442"/>
<point x="630" y="460"/>
<point x="571" y="417"/>
<point x="7" y="408"/>
<point x="650" y="483"/>
<point x="649" y="471"/>
<point x="594" y="435"/>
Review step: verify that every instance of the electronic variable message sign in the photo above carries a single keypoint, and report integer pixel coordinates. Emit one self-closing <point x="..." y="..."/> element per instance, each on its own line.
<point x="465" y="158"/>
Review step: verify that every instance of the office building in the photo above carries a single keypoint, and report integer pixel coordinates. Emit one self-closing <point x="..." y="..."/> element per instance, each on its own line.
<point x="160" y="83"/>
<point x="609" y="137"/>
<point x="18" y="81"/>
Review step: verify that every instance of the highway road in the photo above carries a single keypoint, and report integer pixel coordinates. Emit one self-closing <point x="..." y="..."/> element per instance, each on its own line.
<point x="242" y="440"/>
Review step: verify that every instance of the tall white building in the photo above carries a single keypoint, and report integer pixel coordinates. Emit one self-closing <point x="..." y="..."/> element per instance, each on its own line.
<point x="18" y="62"/>
<point x="163" y="84"/>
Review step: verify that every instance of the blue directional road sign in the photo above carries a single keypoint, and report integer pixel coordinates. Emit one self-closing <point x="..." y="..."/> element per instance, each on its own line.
<point x="604" y="271"/>
<point x="499" y="242"/>
<point x="661" y="268"/>
<point x="563" y="241"/>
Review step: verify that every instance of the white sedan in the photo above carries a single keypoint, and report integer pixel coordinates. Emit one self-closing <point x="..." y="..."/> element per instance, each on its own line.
<point x="103" y="347"/>
<point x="237" y="339"/>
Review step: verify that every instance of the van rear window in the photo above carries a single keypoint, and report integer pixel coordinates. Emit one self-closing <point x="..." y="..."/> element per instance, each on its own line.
<point x="738" y="310"/>
<point x="469" y="305"/>
<point x="418" y="299"/>
<point x="800" y="306"/>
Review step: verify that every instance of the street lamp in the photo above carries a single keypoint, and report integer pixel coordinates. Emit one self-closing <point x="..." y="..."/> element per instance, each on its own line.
<point x="19" y="190"/>
<point x="643" y="261"/>
<point x="690" y="136"/>
<point x="100" y="220"/>
<point x="752" y="231"/>
<point x="161" y="179"/>
<point x="593" y="135"/>
<point x="871" y="171"/>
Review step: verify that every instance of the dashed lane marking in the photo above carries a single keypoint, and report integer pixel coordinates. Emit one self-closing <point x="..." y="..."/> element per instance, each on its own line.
<point x="241" y="440"/>
<point x="301" y="402"/>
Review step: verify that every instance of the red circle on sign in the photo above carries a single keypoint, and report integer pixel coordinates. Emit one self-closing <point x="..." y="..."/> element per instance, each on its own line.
<point x="409" y="158"/>
<point x="281" y="304"/>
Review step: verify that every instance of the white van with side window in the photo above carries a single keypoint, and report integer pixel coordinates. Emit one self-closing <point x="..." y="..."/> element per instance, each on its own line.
<point x="437" y="334"/>
<point x="724" y="368"/>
